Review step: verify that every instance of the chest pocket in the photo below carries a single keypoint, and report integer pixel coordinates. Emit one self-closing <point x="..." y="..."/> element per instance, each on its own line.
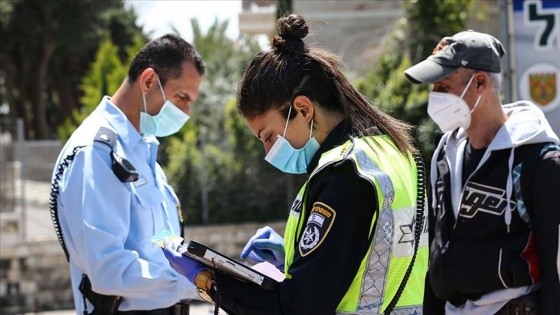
<point x="169" y="191"/>
<point x="147" y="200"/>
<point x="173" y="208"/>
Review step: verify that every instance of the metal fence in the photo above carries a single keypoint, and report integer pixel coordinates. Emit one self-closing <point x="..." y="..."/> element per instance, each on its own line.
<point x="12" y="159"/>
<point x="33" y="272"/>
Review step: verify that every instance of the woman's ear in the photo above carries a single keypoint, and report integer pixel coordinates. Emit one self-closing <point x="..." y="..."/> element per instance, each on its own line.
<point x="304" y="105"/>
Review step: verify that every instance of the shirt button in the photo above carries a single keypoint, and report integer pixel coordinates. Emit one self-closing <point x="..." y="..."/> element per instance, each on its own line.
<point x="151" y="296"/>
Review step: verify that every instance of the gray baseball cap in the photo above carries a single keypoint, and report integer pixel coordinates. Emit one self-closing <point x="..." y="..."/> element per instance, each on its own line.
<point x="468" y="49"/>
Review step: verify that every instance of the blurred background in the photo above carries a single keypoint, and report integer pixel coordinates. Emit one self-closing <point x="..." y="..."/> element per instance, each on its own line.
<point x="59" y="58"/>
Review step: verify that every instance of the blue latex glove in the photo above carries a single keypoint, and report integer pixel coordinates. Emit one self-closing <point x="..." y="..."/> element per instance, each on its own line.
<point x="265" y="245"/>
<point x="184" y="265"/>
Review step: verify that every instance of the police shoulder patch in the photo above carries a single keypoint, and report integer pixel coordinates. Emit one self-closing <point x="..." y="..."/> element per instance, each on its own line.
<point x="107" y="136"/>
<point x="318" y="226"/>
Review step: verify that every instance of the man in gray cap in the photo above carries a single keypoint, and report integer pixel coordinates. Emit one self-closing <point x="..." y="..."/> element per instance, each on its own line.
<point x="495" y="175"/>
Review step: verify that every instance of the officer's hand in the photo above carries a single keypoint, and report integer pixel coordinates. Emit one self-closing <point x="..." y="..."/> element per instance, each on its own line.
<point x="184" y="265"/>
<point x="265" y="245"/>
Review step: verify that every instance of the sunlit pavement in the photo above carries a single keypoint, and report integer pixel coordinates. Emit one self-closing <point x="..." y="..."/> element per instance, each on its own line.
<point x="196" y="309"/>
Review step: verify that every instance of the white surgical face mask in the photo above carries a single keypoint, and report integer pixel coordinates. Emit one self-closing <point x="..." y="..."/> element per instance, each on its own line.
<point x="449" y="111"/>
<point x="289" y="160"/>
<point x="168" y="121"/>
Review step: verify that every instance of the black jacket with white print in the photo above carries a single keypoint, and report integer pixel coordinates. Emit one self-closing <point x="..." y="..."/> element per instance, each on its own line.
<point x="496" y="237"/>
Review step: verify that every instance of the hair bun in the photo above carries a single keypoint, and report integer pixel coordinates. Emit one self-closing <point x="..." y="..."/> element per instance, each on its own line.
<point x="291" y="28"/>
<point x="292" y="25"/>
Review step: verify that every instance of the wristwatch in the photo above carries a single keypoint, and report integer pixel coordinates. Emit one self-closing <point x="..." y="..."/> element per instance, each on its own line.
<point x="203" y="283"/>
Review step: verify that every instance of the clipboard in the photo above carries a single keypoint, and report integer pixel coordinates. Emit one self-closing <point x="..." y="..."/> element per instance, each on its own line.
<point x="216" y="260"/>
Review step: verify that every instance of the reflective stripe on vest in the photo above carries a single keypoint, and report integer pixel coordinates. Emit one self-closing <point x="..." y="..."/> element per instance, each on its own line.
<point x="382" y="269"/>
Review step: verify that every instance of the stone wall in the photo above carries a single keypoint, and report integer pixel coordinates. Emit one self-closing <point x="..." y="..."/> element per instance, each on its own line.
<point x="35" y="276"/>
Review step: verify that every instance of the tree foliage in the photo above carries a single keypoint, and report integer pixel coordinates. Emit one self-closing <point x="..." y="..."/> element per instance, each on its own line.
<point x="46" y="47"/>
<point x="426" y="22"/>
<point x="430" y="20"/>
<point x="104" y="77"/>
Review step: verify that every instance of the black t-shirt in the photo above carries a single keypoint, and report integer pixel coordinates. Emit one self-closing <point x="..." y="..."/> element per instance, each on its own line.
<point x="470" y="160"/>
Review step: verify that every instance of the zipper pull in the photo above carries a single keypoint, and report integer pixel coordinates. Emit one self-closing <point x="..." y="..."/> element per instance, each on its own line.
<point x="444" y="249"/>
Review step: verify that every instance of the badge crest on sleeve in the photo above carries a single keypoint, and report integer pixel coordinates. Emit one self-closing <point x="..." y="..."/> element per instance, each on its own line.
<point x="318" y="226"/>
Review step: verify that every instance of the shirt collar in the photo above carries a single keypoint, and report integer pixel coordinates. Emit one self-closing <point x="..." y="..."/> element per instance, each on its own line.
<point x="118" y="120"/>
<point x="336" y="137"/>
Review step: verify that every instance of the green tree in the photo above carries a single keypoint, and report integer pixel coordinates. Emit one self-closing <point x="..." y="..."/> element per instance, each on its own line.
<point x="430" y="20"/>
<point x="104" y="77"/>
<point x="46" y="47"/>
<point x="426" y="22"/>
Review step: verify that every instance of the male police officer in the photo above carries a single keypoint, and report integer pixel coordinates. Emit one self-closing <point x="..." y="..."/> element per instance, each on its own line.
<point x="112" y="193"/>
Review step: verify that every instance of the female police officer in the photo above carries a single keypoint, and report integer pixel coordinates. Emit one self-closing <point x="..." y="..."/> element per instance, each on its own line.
<point x="349" y="239"/>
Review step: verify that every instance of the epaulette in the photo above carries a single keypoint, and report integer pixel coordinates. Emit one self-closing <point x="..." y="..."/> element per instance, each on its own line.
<point x="124" y="170"/>
<point x="107" y="136"/>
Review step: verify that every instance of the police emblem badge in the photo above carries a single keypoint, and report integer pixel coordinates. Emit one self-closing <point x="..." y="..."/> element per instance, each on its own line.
<point x="318" y="226"/>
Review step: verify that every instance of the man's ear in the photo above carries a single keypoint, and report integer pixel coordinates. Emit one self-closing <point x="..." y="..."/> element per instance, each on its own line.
<point x="146" y="79"/>
<point x="481" y="80"/>
<point x="304" y="105"/>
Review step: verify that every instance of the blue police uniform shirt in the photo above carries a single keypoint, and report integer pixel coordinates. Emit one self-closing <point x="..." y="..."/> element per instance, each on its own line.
<point x="107" y="224"/>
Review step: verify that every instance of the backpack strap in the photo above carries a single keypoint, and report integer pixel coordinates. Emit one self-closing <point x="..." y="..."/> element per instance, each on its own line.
<point x="523" y="174"/>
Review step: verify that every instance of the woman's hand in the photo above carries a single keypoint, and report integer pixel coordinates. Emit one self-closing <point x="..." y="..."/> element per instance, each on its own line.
<point x="265" y="245"/>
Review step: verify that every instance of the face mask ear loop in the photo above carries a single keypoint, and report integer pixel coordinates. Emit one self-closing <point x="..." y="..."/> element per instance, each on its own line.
<point x="311" y="130"/>
<point x="161" y="88"/>
<point x="476" y="104"/>
<point x="467" y="87"/>
<point x="144" y="98"/>
<point x="287" y="120"/>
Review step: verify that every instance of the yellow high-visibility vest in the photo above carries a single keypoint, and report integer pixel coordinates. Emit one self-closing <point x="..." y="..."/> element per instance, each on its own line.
<point x="382" y="270"/>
